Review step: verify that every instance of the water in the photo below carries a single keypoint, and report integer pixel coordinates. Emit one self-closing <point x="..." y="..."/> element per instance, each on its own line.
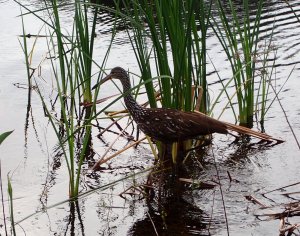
<point x="40" y="179"/>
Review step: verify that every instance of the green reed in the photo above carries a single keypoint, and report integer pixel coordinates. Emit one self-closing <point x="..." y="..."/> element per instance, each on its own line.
<point x="75" y="70"/>
<point x="70" y="56"/>
<point x="265" y="74"/>
<point x="11" y="206"/>
<point x="3" y="136"/>
<point x="169" y="39"/>
<point x="168" y="31"/>
<point x="239" y="39"/>
<point x="169" y="43"/>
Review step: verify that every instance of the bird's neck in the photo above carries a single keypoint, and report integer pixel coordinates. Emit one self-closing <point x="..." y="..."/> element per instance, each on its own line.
<point x="133" y="107"/>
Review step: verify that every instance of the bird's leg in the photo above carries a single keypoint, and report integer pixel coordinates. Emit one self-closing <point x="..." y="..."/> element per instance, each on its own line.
<point x="237" y="138"/>
<point x="137" y="135"/>
<point x="162" y="151"/>
<point x="174" y="152"/>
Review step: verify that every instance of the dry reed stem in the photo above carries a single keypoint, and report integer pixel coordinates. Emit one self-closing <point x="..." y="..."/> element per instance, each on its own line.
<point x="153" y="225"/>
<point x="88" y="104"/>
<point x="110" y="147"/>
<point x="199" y="98"/>
<point x="107" y="128"/>
<point x="288" y="229"/>
<point x="289" y="185"/>
<point x="255" y="200"/>
<point x="290" y="193"/>
<point x="102" y="161"/>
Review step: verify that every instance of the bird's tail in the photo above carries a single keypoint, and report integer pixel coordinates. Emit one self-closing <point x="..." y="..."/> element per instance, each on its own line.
<point x="253" y="133"/>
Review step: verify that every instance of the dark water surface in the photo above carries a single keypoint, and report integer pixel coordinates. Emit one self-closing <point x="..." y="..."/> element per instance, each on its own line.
<point x="40" y="179"/>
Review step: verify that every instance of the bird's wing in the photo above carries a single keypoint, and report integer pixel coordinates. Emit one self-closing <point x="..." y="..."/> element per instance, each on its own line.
<point x="170" y="124"/>
<point x="201" y="124"/>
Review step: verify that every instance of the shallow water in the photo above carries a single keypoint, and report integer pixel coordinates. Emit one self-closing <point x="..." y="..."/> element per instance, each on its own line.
<point x="40" y="179"/>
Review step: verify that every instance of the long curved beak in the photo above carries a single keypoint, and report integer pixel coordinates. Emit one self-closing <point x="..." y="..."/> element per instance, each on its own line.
<point x="108" y="77"/>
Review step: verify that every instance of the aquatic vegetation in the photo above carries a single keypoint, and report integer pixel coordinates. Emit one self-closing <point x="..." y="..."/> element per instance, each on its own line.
<point x="71" y="58"/>
<point x="169" y="33"/>
<point x="169" y="42"/>
<point x="168" y="39"/>
<point x="3" y="136"/>
<point x="239" y="39"/>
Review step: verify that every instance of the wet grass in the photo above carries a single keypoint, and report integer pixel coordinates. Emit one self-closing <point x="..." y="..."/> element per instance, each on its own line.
<point x="169" y="41"/>
<point x="73" y="75"/>
<point x="169" y="33"/>
<point x="11" y="206"/>
<point x="239" y="37"/>
<point x="71" y="61"/>
<point x="3" y="136"/>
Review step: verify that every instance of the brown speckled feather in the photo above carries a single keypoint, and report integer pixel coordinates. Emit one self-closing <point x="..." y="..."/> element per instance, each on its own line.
<point x="169" y="125"/>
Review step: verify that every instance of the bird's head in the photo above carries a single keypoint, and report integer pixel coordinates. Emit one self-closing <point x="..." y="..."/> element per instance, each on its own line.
<point x="116" y="73"/>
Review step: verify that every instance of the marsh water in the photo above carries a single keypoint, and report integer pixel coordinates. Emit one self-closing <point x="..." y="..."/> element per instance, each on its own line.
<point x="39" y="176"/>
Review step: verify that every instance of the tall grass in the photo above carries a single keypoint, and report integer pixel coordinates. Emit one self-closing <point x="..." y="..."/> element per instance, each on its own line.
<point x="3" y="136"/>
<point x="71" y="59"/>
<point x="169" y="41"/>
<point x="239" y="37"/>
<point x="74" y="53"/>
<point x="11" y="206"/>
<point x="266" y="74"/>
<point x="169" y="32"/>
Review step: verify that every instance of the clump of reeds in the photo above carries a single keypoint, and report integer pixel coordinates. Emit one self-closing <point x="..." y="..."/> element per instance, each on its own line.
<point x="169" y="41"/>
<point x="70" y="55"/>
<point x="239" y="37"/>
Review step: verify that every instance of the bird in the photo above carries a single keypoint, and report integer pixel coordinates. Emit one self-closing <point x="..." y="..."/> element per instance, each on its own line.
<point x="171" y="125"/>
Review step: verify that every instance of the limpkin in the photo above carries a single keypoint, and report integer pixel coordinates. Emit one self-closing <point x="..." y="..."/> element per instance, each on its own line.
<point x="171" y="125"/>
